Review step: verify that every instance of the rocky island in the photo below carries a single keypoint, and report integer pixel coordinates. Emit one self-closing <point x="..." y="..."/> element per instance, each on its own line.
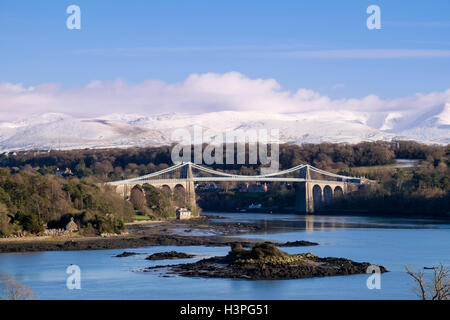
<point x="264" y="261"/>
<point x="170" y="255"/>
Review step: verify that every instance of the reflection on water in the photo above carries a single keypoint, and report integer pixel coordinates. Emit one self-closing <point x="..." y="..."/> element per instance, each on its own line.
<point x="275" y="223"/>
<point x="309" y="220"/>
<point x="194" y="232"/>
<point x="393" y="243"/>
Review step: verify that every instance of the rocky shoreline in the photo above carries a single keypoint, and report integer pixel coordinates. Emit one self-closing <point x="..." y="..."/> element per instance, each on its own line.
<point x="119" y="243"/>
<point x="266" y="262"/>
<point x="247" y="259"/>
<point x="164" y="233"/>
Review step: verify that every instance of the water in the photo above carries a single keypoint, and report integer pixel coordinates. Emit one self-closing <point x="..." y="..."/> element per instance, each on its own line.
<point x="392" y="243"/>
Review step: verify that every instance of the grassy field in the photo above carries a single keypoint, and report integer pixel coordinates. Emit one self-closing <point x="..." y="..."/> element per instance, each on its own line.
<point x="409" y="165"/>
<point x="141" y="218"/>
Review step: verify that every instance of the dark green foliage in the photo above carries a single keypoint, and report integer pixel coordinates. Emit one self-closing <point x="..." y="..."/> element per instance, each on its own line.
<point x="137" y="198"/>
<point x="266" y="249"/>
<point x="45" y="170"/>
<point x="29" y="222"/>
<point x="81" y="171"/>
<point x="260" y="251"/>
<point x="107" y="224"/>
<point x="33" y="200"/>
<point x="159" y="201"/>
<point x="423" y="190"/>
<point x="63" y="221"/>
<point x="5" y="227"/>
<point x="92" y="223"/>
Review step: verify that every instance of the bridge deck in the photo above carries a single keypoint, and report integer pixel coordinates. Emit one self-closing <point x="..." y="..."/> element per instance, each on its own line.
<point x="218" y="176"/>
<point x="216" y="179"/>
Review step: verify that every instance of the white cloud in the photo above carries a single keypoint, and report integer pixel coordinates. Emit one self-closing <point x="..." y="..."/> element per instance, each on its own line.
<point x="204" y="93"/>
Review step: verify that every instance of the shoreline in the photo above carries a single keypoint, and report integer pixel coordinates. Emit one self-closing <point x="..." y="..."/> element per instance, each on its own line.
<point x="199" y="231"/>
<point x="346" y="213"/>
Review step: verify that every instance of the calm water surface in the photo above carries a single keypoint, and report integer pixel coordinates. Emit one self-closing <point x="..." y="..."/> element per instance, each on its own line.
<point x="393" y="243"/>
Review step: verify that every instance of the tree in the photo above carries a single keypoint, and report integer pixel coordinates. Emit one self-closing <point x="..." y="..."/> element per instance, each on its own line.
<point x="15" y="290"/>
<point x="30" y="222"/>
<point x="439" y="289"/>
<point x="179" y="196"/>
<point x="137" y="198"/>
<point x="81" y="170"/>
<point x="4" y="220"/>
<point x="400" y="176"/>
<point x="103" y="168"/>
<point x="158" y="201"/>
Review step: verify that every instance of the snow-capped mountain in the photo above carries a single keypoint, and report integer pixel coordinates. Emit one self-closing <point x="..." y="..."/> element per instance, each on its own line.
<point x="66" y="132"/>
<point x="62" y="131"/>
<point x="430" y="126"/>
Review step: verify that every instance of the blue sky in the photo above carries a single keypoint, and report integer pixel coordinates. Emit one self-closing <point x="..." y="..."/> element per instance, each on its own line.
<point x="319" y="45"/>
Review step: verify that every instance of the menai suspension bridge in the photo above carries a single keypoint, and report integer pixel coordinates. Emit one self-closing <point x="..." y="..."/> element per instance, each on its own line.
<point x="313" y="186"/>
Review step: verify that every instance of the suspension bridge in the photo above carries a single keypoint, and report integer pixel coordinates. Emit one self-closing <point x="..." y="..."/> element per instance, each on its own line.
<point x="314" y="187"/>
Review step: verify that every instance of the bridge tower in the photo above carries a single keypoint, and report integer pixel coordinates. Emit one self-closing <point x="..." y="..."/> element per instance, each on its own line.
<point x="309" y="195"/>
<point x="312" y="194"/>
<point x="304" y="201"/>
<point x="186" y="173"/>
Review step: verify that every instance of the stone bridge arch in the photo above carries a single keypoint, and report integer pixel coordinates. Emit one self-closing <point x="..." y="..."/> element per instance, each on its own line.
<point x="179" y="187"/>
<point x="166" y="189"/>
<point x="327" y="194"/>
<point x="317" y="196"/>
<point x="338" y="192"/>
<point x="179" y="195"/>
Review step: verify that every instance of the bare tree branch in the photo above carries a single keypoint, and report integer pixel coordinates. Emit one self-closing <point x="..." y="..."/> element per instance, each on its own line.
<point x="15" y="290"/>
<point x="439" y="289"/>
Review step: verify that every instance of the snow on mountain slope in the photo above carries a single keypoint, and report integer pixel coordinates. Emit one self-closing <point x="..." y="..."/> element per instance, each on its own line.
<point x="443" y="118"/>
<point x="60" y="131"/>
<point x="435" y="128"/>
<point x="72" y="133"/>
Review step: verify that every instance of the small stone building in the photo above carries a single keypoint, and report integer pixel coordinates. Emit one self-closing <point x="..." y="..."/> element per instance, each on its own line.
<point x="71" y="226"/>
<point x="183" y="213"/>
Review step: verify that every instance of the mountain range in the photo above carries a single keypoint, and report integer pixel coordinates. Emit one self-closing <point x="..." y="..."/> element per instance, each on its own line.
<point x="64" y="131"/>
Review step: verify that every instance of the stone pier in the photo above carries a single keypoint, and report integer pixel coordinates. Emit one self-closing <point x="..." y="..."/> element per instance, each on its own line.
<point x="312" y="195"/>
